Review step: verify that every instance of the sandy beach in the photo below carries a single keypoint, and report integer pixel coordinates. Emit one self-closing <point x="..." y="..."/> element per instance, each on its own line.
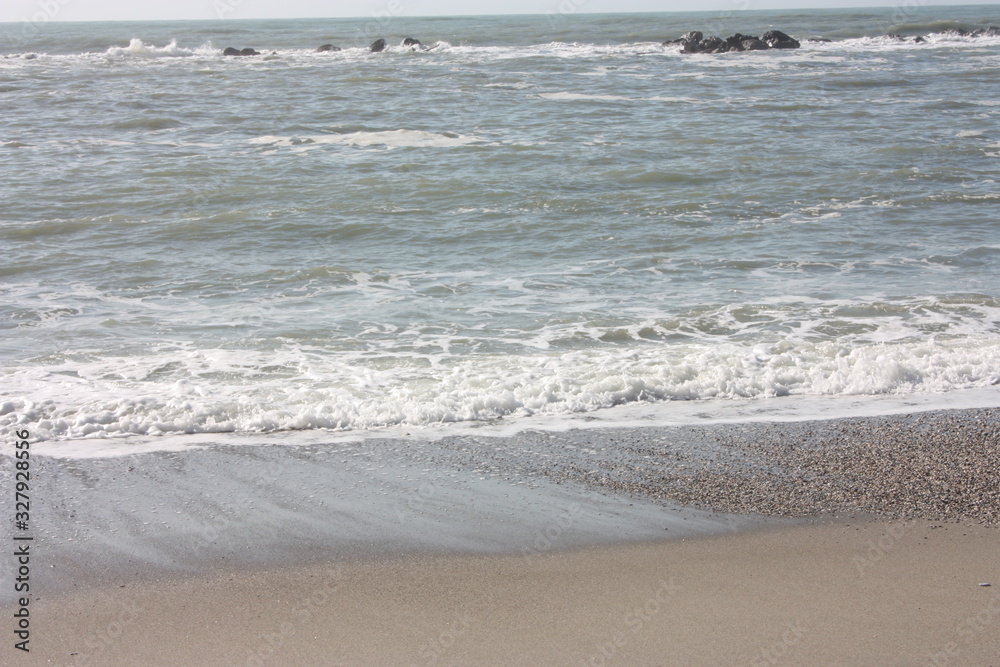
<point x="469" y="551"/>
<point x="903" y="593"/>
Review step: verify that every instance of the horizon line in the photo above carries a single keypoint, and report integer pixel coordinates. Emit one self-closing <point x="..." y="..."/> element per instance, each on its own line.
<point x="926" y="4"/>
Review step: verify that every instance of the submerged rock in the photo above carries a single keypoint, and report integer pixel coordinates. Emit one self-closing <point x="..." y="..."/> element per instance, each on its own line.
<point x="328" y="47"/>
<point x="992" y="31"/>
<point x="230" y="51"/>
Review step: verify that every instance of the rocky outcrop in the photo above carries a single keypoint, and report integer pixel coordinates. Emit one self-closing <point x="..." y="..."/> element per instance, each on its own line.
<point x="695" y="42"/>
<point x="328" y="47"/>
<point x="752" y="44"/>
<point x="776" y="39"/>
<point x="377" y="46"/>
<point x="230" y="51"/>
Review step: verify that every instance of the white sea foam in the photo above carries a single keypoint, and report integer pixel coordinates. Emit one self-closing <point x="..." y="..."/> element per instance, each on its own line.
<point x="386" y="139"/>
<point x="220" y="391"/>
<point x="139" y="49"/>
<point x="583" y="96"/>
<point x="887" y="43"/>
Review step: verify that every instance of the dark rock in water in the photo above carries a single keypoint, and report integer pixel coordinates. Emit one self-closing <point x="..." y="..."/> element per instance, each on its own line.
<point x="694" y="42"/>
<point x="753" y="44"/>
<point x="693" y="37"/>
<point x="410" y="41"/>
<point x="713" y="45"/>
<point x="779" y="40"/>
<point x="328" y="47"/>
<point x="692" y="47"/>
<point x="703" y="46"/>
<point x="736" y="41"/>
<point x="378" y="45"/>
<point x="249" y="52"/>
<point x="230" y="51"/>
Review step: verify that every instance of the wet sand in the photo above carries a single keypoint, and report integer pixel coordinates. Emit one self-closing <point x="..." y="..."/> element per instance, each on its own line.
<point x="858" y="541"/>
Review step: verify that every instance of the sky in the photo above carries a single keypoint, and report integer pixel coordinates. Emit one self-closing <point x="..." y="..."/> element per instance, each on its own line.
<point x="133" y="10"/>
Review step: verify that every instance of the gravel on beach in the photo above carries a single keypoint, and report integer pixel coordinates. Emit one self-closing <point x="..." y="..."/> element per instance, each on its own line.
<point x="934" y="465"/>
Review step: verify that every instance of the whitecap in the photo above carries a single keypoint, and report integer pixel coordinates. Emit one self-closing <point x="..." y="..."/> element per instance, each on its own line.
<point x="582" y="96"/>
<point x="383" y="139"/>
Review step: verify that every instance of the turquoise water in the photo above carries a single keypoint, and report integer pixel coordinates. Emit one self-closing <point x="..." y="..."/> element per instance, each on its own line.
<point x="537" y="215"/>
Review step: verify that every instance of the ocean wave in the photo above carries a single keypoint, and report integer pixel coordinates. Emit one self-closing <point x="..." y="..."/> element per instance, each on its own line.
<point x="892" y="42"/>
<point x="927" y="27"/>
<point x="217" y="391"/>
<point x="137" y="49"/>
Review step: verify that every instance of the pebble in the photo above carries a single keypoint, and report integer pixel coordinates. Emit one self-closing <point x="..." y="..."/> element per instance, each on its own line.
<point x="939" y="466"/>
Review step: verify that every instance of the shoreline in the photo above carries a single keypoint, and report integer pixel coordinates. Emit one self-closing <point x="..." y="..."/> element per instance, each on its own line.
<point x="659" y="414"/>
<point x="182" y="512"/>
<point x="781" y="515"/>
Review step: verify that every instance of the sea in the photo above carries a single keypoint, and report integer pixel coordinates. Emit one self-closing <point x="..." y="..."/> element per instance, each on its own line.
<point x="526" y="218"/>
